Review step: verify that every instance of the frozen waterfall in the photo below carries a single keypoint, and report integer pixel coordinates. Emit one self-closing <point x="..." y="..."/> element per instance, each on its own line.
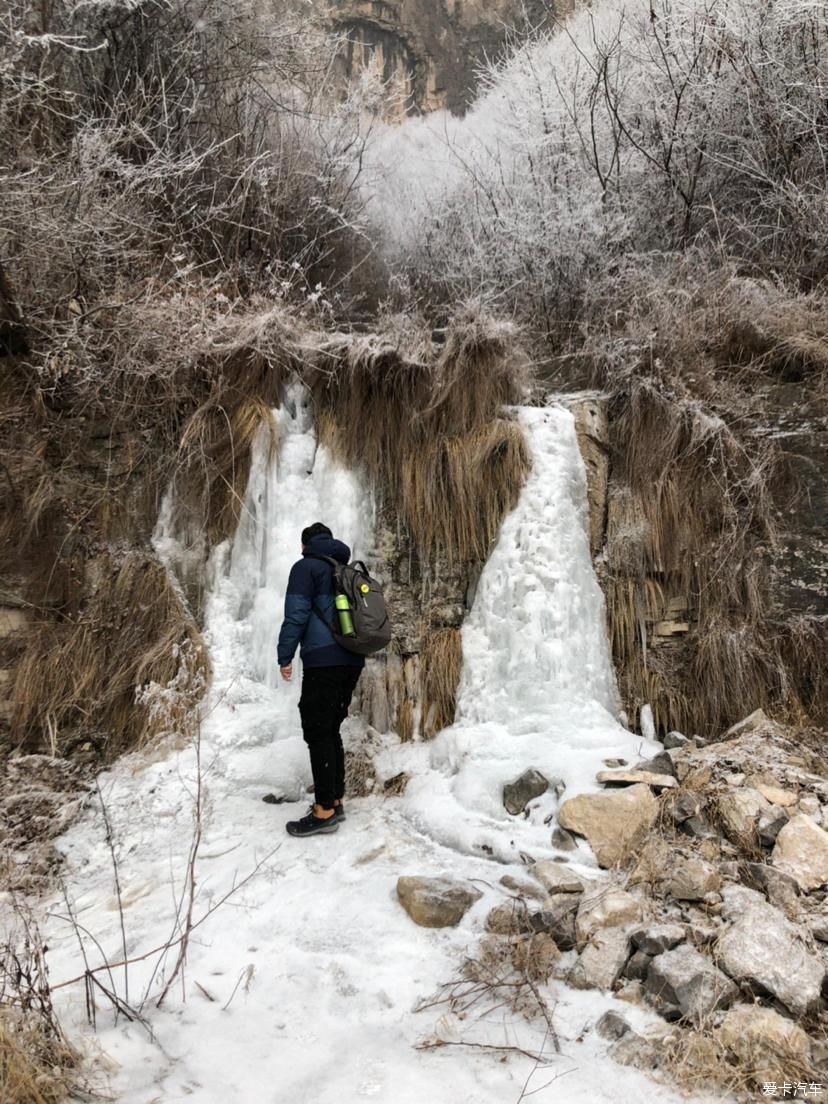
<point x="537" y="687"/>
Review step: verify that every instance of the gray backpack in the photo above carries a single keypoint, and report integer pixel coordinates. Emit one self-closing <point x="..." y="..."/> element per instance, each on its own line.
<point x="372" y="629"/>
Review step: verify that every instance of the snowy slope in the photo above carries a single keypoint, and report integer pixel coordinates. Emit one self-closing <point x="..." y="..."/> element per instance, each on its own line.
<point x="302" y="986"/>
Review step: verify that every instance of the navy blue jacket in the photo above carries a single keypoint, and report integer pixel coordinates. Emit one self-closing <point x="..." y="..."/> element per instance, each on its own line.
<point x="310" y="584"/>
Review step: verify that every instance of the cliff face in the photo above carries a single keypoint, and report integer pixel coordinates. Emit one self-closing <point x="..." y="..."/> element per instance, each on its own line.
<point x="429" y="50"/>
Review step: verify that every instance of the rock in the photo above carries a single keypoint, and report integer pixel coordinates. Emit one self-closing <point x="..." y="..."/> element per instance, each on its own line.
<point x="508" y="918"/>
<point x="801" y="850"/>
<point x="523" y="889"/>
<point x="614" y="823"/>
<point x="739" y="811"/>
<point x="654" y="939"/>
<point x="602" y="961"/>
<point x="555" y="877"/>
<point x="675" y="740"/>
<point x="605" y="908"/>
<point x="637" y="967"/>
<point x="776" y="795"/>
<point x="435" y="902"/>
<point x="819" y="927"/>
<point x="739" y="898"/>
<point x="685" y="806"/>
<point x="563" y="840"/>
<point x="659" y="764"/>
<point x="702" y="935"/>
<point x="770" y="824"/>
<point x="684" y="984"/>
<point x="630" y="991"/>
<point x="562" y="968"/>
<point x="613" y="763"/>
<point x="635" y="1050"/>
<point x="747" y="724"/>
<point x="810" y="806"/>
<point x="518" y="794"/>
<point x="765" y="951"/>
<point x="557" y="918"/>
<point x="536" y="956"/>
<point x="691" y="879"/>
<point x="631" y="777"/>
<point x="781" y="888"/>
<point x="764" y="1042"/>
<point x="698" y="827"/>
<point x="612" y="1025"/>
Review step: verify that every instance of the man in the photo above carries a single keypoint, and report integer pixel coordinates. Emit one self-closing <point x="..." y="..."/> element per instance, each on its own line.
<point x="330" y="674"/>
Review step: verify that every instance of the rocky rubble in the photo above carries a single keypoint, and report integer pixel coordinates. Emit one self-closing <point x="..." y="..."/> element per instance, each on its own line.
<point x="710" y="908"/>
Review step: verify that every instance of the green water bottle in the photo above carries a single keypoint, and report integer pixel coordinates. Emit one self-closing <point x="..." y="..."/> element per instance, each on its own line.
<point x="343" y="609"/>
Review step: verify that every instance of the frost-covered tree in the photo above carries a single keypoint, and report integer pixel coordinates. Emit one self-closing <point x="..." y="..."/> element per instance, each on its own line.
<point x="636" y="128"/>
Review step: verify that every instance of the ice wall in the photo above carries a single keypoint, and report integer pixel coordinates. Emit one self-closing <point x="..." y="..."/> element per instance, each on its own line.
<point x="538" y="688"/>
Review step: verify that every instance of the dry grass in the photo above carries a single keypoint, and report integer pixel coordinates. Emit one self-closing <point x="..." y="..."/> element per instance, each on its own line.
<point x="214" y="462"/>
<point x="406" y="720"/>
<point x="428" y="429"/>
<point x="698" y="487"/>
<point x="35" y="1068"/>
<point x="699" y="1061"/>
<point x="85" y="672"/>
<point x="37" y="1065"/>
<point x="441" y="662"/>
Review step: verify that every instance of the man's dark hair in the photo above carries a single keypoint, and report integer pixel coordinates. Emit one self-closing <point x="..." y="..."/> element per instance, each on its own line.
<point x="315" y="530"/>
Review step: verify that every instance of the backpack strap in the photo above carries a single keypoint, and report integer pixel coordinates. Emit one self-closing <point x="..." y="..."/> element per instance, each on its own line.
<point x="335" y="564"/>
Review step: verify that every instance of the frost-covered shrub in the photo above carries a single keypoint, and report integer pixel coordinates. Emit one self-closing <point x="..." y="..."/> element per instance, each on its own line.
<point x="635" y="128"/>
<point x="154" y="138"/>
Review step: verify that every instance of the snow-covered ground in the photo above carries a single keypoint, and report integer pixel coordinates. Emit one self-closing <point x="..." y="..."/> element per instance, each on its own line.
<point x="303" y="985"/>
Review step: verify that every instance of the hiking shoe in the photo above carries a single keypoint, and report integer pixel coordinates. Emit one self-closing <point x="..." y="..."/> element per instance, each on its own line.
<point x="311" y="825"/>
<point x="339" y="812"/>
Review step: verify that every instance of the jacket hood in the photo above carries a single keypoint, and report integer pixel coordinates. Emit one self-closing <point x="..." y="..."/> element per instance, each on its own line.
<point x="327" y="546"/>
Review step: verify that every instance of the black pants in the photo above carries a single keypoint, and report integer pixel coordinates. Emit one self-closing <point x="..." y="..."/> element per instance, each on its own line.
<point x="323" y="706"/>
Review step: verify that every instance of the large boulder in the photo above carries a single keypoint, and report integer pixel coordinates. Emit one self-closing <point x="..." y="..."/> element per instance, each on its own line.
<point x="605" y="908"/>
<point x="765" y="951"/>
<point x="602" y="961"/>
<point x="684" y="984"/>
<point x="614" y="822"/>
<point x="518" y="794"/>
<point x="435" y="902"/>
<point x="801" y="850"/>
<point x="764" y="1042"/>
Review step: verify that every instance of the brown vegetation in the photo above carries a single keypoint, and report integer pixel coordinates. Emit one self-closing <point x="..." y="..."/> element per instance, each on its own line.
<point x="441" y="662"/>
<point x="698" y="485"/>
<point x="84" y="673"/>
<point x="37" y="1065"/>
<point x="429" y="431"/>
